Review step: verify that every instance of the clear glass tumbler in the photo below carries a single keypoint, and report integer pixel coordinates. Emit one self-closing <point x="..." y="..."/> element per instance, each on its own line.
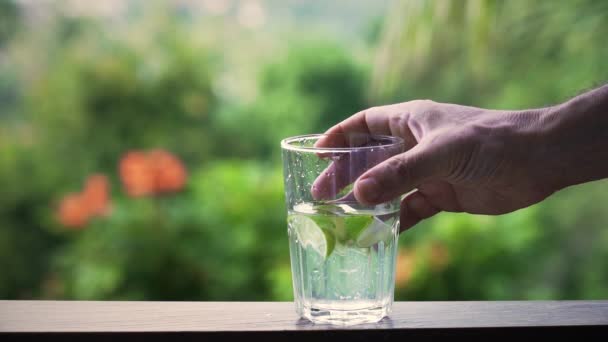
<point x="342" y="252"/>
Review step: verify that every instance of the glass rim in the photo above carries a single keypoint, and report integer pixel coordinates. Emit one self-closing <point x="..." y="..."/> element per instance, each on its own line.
<point x="287" y="143"/>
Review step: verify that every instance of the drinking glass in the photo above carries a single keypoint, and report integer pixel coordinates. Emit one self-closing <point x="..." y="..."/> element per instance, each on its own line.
<point x="342" y="252"/>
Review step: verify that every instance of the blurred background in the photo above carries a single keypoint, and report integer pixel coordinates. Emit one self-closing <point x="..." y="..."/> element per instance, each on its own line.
<point x="139" y="140"/>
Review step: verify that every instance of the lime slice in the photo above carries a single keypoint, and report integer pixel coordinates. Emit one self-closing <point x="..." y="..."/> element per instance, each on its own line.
<point x="311" y="234"/>
<point x="375" y="232"/>
<point x="323" y="226"/>
<point x="324" y="222"/>
<point x="354" y="225"/>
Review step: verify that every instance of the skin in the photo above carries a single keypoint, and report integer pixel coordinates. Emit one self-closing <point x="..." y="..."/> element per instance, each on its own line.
<point x="481" y="161"/>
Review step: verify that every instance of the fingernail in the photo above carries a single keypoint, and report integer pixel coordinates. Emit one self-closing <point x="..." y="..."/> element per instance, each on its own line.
<point x="368" y="189"/>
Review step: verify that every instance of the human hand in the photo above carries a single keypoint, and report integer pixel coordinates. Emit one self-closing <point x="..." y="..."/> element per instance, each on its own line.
<point x="457" y="159"/>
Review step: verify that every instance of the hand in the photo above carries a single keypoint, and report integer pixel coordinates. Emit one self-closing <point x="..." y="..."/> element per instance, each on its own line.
<point x="457" y="159"/>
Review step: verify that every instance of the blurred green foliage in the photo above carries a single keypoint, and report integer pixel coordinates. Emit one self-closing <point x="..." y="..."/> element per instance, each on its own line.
<point x="80" y="93"/>
<point x="9" y="19"/>
<point x="203" y="244"/>
<point x="491" y="53"/>
<point x="315" y="85"/>
<point x="507" y="55"/>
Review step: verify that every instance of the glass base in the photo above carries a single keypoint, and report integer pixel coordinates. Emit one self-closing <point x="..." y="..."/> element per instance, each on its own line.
<point x="325" y="315"/>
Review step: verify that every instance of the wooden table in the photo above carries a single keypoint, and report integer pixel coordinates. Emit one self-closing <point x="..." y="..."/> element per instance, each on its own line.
<point x="206" y="321"/>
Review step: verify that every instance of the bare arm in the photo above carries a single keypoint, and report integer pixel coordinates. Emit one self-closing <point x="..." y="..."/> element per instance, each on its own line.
<point x="576" y="135"/>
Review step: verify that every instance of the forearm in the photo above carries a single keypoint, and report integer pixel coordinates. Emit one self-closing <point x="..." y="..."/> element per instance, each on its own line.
<point x="576" y="139"/>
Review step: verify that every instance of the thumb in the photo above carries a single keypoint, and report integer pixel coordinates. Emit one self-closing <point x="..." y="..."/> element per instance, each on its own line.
<point x="399" y="175"/>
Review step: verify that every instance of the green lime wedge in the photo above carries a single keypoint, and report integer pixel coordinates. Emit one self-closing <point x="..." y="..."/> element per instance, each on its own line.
<point x="312" y="234"/>
<point x="346" y="228"/>
<point x="325" y="225"/>
<point x="373" y="233"/>
<point x="324" y="222"/>
<point x="354" y="225"/>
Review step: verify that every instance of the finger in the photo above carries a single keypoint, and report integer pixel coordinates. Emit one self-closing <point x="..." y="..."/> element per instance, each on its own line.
<point x="370" y="121"/>
<point x="415" y="207"/>
<point x="341" y="134"/>
<point x="400" y="174"/>
<point x="334" y="178"/>
<point x="354" y="132"/>
<point x="346" y="167"/>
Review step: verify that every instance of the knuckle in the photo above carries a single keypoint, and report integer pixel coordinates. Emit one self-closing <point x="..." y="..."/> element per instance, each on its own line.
<point x="399" y="169"/>
<point x="422" y="103"/>
<point x="427" y="113"/>
<point x="373" y="110"/>
<point x="399" y="124"/>
<point x="397" y="119"/>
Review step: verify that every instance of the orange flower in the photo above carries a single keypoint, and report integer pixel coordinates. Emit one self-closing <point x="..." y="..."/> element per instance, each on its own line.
<point x="76" y="209"/>
<point x="95" y="195"/>
<point x="136" y="174"/>
<point x="170" y="172"/>
<point x="71" y="212"/>
<point x="152" y="173"/>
